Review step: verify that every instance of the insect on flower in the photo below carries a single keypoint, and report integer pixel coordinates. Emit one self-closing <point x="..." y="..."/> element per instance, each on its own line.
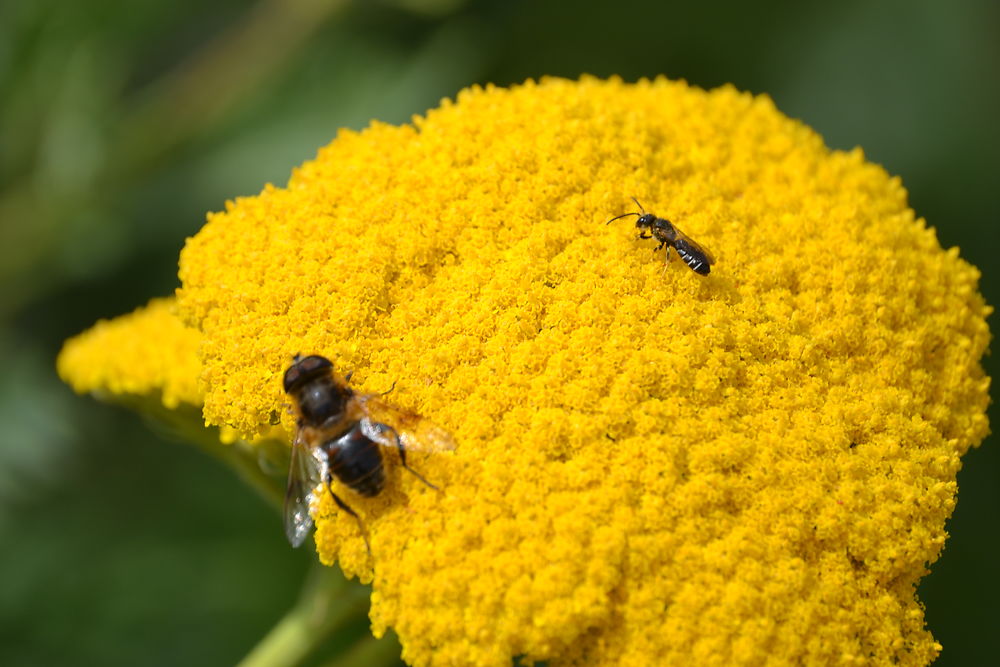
<point x="341" y="434"/>
<point x="664" y="231"/>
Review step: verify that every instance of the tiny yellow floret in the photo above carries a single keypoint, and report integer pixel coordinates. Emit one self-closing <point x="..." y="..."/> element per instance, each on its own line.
<point x="148" y="352"/>
<point x="653" y="467"/>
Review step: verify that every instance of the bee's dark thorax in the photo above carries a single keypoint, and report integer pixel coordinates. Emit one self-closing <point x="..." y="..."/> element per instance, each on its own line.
<point x="663" y="231"/>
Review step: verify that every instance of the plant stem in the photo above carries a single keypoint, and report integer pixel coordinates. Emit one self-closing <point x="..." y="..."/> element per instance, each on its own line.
<point x="328" y="602"/>
<point x="370" y="652"/>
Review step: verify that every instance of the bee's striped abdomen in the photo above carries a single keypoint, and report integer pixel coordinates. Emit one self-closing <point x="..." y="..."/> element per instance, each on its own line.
<point x="693" y="257"/>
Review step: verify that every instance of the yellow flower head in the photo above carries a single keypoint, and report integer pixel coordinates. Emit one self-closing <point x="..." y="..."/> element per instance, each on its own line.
<point x="149" y="352"/>
<point x="653" y="467"/>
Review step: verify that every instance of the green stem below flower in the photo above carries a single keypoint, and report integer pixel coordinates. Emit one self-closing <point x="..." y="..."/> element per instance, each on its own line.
<point x="328" y="603"/>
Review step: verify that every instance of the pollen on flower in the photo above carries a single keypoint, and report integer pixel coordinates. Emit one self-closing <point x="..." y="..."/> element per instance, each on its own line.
<point x="653" y="467"/>
<point x="147" y="352"/>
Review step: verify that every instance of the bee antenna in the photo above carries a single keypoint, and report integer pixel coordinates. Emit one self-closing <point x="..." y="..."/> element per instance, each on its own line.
<point x="618" y="217"/>
<point x="639" y="205"/>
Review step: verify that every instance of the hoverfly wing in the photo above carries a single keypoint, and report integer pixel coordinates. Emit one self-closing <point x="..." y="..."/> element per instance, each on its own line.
<point x="415" y="432"/>
<point x="303" y="476"/>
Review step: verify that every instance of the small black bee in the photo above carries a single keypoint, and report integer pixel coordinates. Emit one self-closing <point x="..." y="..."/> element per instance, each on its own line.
<point x="340" y="434"/>
<point x="664" y="231"/>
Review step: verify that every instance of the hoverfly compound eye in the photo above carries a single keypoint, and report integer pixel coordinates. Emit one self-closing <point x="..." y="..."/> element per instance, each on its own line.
<point x="304" y="368"/>
<point x="291" y="377"/>
<point x="313" y="362"/>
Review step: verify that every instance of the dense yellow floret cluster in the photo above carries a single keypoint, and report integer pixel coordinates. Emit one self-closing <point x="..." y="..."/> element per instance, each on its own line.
<point x="653" y="467"/>
<point x="145" y="353"/>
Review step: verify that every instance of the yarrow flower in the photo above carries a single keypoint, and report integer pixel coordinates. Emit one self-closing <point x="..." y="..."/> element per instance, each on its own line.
<point x="149" y="352"/>
<point x="653" y="467"/>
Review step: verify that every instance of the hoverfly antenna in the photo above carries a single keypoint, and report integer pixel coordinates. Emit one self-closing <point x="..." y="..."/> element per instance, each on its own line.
<point x="639" y="205"/>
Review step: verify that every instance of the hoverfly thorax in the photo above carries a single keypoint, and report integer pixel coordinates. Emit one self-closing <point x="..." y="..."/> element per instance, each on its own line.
<point x="321" y="401"/>
<point x="319" y="397"/>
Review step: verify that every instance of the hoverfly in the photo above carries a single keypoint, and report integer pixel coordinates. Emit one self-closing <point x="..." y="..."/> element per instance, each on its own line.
<point x="664" y="231"/>
<point x="341" y="434"/>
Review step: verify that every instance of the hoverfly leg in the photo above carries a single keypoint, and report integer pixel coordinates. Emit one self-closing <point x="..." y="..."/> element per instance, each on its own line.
<point x="344" y="506"/>
<point x="385" y="428"/>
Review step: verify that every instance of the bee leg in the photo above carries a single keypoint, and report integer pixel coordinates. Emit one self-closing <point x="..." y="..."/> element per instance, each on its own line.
<point x="344" y="506"/>
<point x="666" y="261"/>
<point x="385" y="428"/>
<point x="644" y="235"/>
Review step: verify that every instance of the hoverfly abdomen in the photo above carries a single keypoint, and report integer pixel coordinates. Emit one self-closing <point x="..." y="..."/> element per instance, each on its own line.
<point x="356" y="460"/>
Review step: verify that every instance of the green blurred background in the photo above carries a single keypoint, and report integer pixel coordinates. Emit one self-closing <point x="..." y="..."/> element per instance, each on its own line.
<point x="122" y="123"/>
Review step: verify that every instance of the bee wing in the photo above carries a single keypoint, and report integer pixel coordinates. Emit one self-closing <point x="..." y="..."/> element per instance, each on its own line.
<point x="303" y="476"/>
<point x="415" y="432"/>
<point x="694" y="244"/>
